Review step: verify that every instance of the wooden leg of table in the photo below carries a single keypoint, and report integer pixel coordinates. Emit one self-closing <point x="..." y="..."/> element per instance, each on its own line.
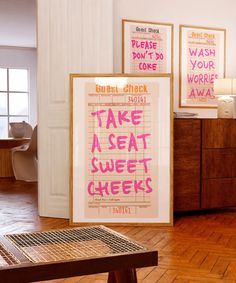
<point x="111" y="277"/>
<point x="123" y="276"/>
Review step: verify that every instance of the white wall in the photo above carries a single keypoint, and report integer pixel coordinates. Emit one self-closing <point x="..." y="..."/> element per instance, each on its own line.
<point x="16" y="57"/>
<point x="18" y="23"/>
<point x="212" y="13"/>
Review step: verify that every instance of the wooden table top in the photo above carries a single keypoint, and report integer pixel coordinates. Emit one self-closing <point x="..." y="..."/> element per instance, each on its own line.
<point x="12" y="142"/>
<point x="54" y="254"/>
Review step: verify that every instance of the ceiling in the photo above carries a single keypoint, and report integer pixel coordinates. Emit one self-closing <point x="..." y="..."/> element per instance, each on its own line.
<point x="18" y="23"/>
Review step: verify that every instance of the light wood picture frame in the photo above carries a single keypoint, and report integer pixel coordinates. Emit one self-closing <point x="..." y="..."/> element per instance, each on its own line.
<point x="121" y="156"/>
<point x="202" y="59"/>
<point x="147" y="47"/>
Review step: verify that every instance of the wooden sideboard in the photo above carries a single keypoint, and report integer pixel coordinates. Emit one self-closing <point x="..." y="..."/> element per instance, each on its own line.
<point x="204" y="163"/>
<point x="5" y="155"/>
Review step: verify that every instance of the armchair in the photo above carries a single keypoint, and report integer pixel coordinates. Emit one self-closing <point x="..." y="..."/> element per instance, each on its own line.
<point x="25" y="160"/>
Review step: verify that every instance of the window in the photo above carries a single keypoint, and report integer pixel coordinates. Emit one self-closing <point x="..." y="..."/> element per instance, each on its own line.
<point x="14" y="98"/>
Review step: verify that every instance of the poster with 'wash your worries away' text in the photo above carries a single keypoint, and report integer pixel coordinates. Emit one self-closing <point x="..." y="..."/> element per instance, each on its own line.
<point x="202" y="53"/>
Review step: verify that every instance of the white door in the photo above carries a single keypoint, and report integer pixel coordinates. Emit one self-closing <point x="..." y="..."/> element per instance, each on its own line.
<point x="74" y="36"/>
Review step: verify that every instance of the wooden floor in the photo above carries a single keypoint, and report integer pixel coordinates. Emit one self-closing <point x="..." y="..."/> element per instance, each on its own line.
<point x="199" y="248"/>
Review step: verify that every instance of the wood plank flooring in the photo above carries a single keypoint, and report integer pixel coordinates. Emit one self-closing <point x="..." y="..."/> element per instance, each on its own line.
<point x="199" y="248"/>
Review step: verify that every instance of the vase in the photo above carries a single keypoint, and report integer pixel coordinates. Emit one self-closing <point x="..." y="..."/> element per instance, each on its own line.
<point x="17" y="129"/>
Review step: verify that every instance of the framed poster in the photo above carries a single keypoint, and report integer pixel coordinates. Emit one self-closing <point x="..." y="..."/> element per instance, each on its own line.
<point x="202" y="60"/>
<point x="147" y="47"/>
<point x="121" y="149"/>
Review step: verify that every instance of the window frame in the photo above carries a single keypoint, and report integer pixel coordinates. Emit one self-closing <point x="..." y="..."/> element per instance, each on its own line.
<point x="8" y="92"/>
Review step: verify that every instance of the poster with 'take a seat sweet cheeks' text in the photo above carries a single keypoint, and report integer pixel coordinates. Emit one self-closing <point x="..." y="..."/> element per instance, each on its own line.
<point x="121" y="149"/>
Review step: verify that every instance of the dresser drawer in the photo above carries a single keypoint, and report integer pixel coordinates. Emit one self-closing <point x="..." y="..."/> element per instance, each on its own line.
<point x="218" y="193"/>
<point x="219" y="163"/>
<point x="187" y="162"/>
<point x="218" y="133"/>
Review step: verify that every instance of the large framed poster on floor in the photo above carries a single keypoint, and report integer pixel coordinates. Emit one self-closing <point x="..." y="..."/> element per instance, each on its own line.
<point x="202" y="60"/>
<point x="121" y="149"/>
<point x="147" y="47"/>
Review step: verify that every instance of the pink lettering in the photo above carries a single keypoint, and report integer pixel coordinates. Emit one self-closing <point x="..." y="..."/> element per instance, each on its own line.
<point x="138" y="186"/>
<point x="193" y="64"/>
<point x="96" y="144"/>
<point x="208" y="92"/>
<point x="201" y="78"/>
<point x="147" y="66"/>
<point x="159" y="56"/>
<point x="203" y="52"/>
<point x="112" y="145"/>
<point x="120" y="164"/>
<point x="193" y="52"/>
<point x="115" y="186"/>
<point x="150" y="55"/>
<point x="144" y="162"/>
<point x="90" y="186"/>
<point x="133" y="42"/>
<point x="131" y="166"/>
<point x="209" y="65"/>
<point x="94" y="167"/>
<point x="148" y="180"/>
<point x="108" y="167"/>
<point x="139" y="55"/>
<point x="111" y="119"/>
<point x="136" y="116"/>
<point x="126" y="187"/>
<point x="145" y="44"/>
<point x="102" y="189"/>
<point x="121" y="142"/>
<point x="143" y="137"/>
<point x="132" y="143"/>
<point x="119" y="187"/>
<point x="122" y="117"/>
<point x="98" y="115"/>
<point x="128" y="142"/>
<point x="192" y="94"/>
<point x="201" y="93"/>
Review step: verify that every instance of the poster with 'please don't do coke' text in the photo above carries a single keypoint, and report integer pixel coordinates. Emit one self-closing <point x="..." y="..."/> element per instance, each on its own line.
<point x="147" y="47"/>
<point x="121" y="159"/>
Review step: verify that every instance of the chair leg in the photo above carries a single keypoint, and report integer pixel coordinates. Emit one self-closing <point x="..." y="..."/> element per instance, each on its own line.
<point x="123" y="276"/>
